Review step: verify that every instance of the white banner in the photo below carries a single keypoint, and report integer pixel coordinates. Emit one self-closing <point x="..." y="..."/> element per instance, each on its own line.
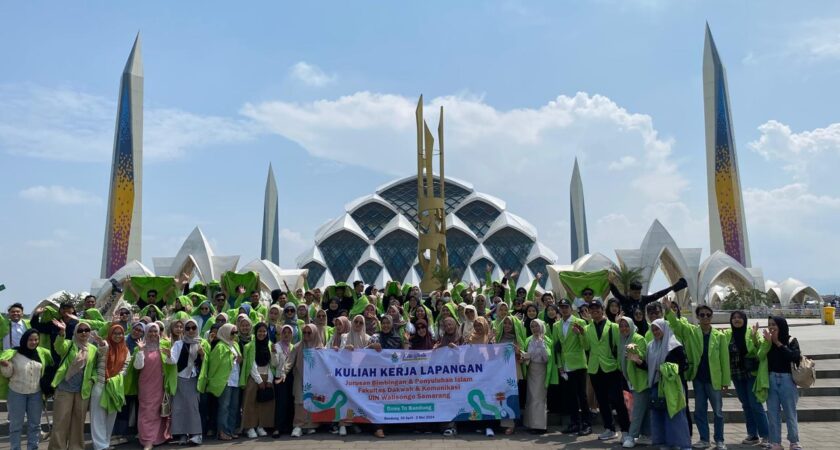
<point x="471" y="382"/>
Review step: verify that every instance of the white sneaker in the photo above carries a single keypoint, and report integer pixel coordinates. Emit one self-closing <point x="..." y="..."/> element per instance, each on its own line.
<point x="251" y="433"/>
<point x="195" y="439"/>
<point x="627" y="441"/>
<point x="489" y="432"/>
<point x="720" y="446"/>
<point x="607" y="435"/>
<point x="297" y="432"/>
<point x="261" y="432"/>
<point x="700" y="444"/>
<point x="342" y="431"/>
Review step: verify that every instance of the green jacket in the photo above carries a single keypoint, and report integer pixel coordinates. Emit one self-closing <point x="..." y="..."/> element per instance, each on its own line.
<point x="551" y="373"/>
<point x="219" y="365"/>
<point x="635" y="375"/>
<point x="67" y="352"/>
<point x="569" y="355"/>
<point x="43" y="354"/>
<point x="602" y="356"/>
<point x="692" y="338"/>
<point x="5" y="327"/>
<point x="94" y="319"/>
<point x="671" y="385"/>
<point x="518" y="330"/>
<point x="170" y="373"/>
<point x="761" y="388"/>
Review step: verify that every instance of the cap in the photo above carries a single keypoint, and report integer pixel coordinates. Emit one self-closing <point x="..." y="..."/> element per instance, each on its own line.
<point x="564" y="302"/>
<point x="596" y="303"/>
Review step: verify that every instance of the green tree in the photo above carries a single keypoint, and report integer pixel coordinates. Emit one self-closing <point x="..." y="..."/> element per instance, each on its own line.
<point x="745" y="299"/>
<point x="627" y="276"/>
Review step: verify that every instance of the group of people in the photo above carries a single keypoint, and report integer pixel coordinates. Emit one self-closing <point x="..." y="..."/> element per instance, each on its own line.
<point x="232" y="364"/>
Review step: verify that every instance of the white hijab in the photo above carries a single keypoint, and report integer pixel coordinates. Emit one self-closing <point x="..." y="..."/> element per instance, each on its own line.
<point x="658" y="349"/>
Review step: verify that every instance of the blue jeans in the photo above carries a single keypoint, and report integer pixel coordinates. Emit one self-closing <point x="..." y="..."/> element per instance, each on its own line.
<point x="783" y="395"/>
<point x="754" y="413"/>
<point x="18" y="405"/>
<point x="228" y="410"/>
<point x="704" y="394"/>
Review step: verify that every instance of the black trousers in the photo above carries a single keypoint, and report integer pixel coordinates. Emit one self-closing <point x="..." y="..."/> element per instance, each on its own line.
<point x="574" y="397"/>
<point x="607" y="386"/>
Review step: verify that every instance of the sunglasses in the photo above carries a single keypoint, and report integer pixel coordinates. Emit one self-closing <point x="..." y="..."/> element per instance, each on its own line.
<point x="191" y="327"/>
<point x="704" y="315"/>
<point x="83" y="330"/>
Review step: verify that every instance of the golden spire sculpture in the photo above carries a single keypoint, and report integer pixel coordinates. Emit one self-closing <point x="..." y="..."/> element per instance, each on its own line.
<point x="431" y="208"/>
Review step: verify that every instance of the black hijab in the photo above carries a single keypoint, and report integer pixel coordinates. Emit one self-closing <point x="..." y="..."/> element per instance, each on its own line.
<point x="262" y="352"/>
<point x="420" y="342"/>
<point x="739" y="335"/>
<point x="642" y="326"/>
<point x="23" y="348"/>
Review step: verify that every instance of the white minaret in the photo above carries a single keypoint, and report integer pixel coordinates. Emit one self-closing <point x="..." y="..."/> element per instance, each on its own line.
<point x="577" y="216"/>
<point x="270" y="231"/>
<point x="123" y="226"/>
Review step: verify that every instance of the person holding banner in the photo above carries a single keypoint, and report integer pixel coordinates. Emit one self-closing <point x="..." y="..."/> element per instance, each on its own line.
<point x="284" y="405"/>
<point x="422" y="339"/>
<point x="450" y="338"/>
<point x="295" y="365"/>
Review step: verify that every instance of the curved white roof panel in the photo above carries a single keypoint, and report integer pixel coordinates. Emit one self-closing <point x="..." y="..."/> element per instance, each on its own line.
<point x="507" y="219"/>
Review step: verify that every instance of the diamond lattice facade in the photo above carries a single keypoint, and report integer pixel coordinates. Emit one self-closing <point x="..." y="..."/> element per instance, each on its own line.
<point x="375" y="239"/>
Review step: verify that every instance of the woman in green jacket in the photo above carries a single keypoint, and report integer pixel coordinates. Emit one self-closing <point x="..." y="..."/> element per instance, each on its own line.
<point x="633" y="342"/>
<point x="22" y="368"/>
<point x="73" y="383"/>
<point x="542" y="372"/>
<point x="743" y="365"/>
<point x="222" y="380"/>
<point x="666" y="364"/>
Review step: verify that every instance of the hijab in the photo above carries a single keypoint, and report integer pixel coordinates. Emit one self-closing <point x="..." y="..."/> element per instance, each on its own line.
<point x="449" y="338"/>
<point x="658" y="349"/>
<point x="152" y="345"/>
<point x="622" y="344"/>
<point x="341" y="329"/>
<point x="284" y="347"/>
<point x="392" y="339"/>
<point x="370" y="322"/>
<point x="483" y="338"/>
<point x="189" y="349"/>
<point x="224" y="335"/>
<point x="508" y="336"/>
<point x="129" y="339"/>
<point x="358" y="339"/>
<point x="117" y="352"/>
<point x="243" y="338"/>
<point x="23" y="347"/>
<point x="205" y="317"/>
<point x="247" y="308"/>
<point x="297" y="334"/>
<point x="526" y="321"/>
<point x="642" y="326"/>
<point x="262" y="347"/>
<point x="422" y="342"/>
<point x="467" y="326"/>
<point x="540" y="335"/>
<point x="739" y="335"/>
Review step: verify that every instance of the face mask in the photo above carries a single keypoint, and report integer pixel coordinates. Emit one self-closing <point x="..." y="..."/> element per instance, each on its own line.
<point x="447" y="299"/>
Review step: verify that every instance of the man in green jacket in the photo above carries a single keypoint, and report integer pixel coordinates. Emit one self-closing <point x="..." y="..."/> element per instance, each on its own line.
<point x="571" y="361"/>
<point x="708" y="368"/>
<point x="12" y="327"/>
<point x="601" y="338"/>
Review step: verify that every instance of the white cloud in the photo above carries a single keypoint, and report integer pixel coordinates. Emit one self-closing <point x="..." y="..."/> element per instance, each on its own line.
<point x="816" y="40"/>
<point x="63" y="124"/>
<point x="379" y="128"/>
<point x="796" y="150"/>
<point x="791" y="200"/>
<point x="61" y="195"/>
<point x="311" y="74"/>
<point x="625" y="162"/>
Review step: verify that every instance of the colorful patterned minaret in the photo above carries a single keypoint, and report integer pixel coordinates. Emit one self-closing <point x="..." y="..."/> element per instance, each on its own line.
<point x="123" y="232"/>
<point x="727" y="222"/>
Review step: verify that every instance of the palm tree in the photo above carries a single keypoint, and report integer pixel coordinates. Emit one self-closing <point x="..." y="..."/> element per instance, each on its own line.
<point x="627" y="276"/>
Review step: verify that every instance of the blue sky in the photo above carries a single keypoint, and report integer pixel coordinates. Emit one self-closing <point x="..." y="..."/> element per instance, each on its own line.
<point x="325" y="91"/>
